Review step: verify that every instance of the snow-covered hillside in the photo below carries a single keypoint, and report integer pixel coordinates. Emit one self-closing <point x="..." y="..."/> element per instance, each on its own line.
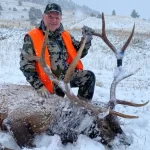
<point x="116" y="23"/>
<point x="20" y="15"/>
<point x="100" y="60"/>
<point x="20" y="18"/>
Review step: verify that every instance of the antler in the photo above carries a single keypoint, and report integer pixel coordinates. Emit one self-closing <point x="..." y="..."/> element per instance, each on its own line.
<point x="65" y="86"/>
<point x="119" y="72"/>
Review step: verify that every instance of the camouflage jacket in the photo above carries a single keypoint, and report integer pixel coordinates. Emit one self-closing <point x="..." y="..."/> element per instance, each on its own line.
<point x="57" y="51"/>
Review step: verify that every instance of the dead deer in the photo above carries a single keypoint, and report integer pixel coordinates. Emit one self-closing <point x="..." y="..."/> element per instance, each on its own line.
<point x="26" y="114"/>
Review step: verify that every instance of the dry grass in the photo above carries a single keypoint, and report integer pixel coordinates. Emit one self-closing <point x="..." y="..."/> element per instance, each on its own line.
<point x="15" y="24"/>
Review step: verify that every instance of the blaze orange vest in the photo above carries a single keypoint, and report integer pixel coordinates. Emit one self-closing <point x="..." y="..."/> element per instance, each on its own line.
<point x="37" y="40"/>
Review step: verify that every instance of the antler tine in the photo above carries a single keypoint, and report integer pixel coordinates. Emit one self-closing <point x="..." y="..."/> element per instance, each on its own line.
<point x="42" y="61"/>
<point x="129" y="39"/>
<point x="104" y="37"/>
<point x="74" y="63"/>
<point x="123" y="115"/>
<point x="130" y="103"/>
<point x="114" y="84"/>
<point x="113" y="99"/>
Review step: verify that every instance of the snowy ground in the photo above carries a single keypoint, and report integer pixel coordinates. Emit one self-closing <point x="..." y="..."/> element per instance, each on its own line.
<point x="102" y="62"/>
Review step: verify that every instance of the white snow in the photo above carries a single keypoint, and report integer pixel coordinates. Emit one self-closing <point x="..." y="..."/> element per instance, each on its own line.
<point x="101" y="60"/>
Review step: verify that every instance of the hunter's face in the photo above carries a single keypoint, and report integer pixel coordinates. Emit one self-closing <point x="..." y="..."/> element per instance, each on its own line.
<point x="52" y="20"/>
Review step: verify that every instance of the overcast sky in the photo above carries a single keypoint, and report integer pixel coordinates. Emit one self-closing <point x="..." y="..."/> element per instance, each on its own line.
<point x="122" y="7"/>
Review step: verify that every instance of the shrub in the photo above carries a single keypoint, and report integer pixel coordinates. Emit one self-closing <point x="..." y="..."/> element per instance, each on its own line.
<point x="24" y="9"/>
<point x="1" y="8"/>
<point x="134" y="14"/>
<point x="99" y="16"/>
<point x="34" y="14"/>
<point x="19" y="3"/>
<point x="15" y="9"/>
<point x="92" y="15"/>
<point x="33" y="22"/>
<point x="113" y="13"/>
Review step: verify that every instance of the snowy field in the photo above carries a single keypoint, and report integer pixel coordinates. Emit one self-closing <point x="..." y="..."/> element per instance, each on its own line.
<point x="102" y="62"/>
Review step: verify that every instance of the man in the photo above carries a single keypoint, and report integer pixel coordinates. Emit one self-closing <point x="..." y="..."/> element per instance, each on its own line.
<point x="59" y="56"/>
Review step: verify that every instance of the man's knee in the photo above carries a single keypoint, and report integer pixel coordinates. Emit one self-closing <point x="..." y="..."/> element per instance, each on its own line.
<point x="92" y="77"/>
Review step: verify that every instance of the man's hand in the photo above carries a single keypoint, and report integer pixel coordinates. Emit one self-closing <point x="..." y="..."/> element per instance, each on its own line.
<point x="87" y="32"/>
<point x="43" y="92"/>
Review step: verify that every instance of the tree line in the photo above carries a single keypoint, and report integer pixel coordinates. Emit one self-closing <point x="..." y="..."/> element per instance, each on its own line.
<point x="134" y="13"/>
<point x="35" y="14"/>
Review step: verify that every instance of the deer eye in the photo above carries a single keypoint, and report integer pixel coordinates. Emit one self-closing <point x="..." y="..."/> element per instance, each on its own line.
<point x="105" y="127"/>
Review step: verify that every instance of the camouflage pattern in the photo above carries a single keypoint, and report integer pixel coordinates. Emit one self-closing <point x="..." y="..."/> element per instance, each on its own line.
<point x="85" y="80"/>
<point x="53" y="8"/>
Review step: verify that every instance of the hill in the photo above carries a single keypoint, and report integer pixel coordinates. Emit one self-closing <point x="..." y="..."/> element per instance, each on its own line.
<point x="18" y="14"/>
<point x="100" y="60"/>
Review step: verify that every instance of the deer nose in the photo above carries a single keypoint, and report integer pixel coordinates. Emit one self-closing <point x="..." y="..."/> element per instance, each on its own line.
<point x="103" y="141"/>
<point x="125" y="140"/>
